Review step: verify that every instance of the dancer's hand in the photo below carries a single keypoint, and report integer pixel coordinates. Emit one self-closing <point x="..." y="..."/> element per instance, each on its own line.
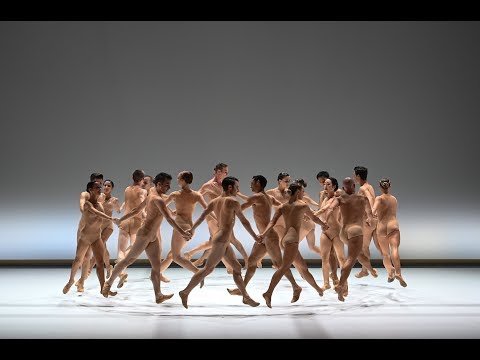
<point x="187" y="235"/>
<point x="260" y="238"/>
<point x="116" y="221"/>
<point x="369" y="221"/>
<point x="325" y="226"/>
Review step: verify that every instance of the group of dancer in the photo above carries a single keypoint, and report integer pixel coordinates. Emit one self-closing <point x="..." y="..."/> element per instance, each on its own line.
<point x="346" y="218"/>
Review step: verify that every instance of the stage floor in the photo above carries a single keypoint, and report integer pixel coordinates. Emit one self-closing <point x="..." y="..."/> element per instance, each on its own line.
<point x="438" y="303"/>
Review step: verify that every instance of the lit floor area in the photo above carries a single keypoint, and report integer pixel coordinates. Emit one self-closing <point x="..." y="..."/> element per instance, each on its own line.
<point x="438" y="303"/>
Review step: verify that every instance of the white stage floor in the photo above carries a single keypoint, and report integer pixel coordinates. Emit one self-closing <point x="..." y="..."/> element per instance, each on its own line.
<point x="438" y="303"/>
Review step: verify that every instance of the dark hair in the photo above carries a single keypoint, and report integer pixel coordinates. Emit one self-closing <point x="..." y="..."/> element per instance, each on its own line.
<point x="334" y="183"/>
<point x="301" y="182"/>
<point x="229" y="180"/>
<point x="151" y="178"/>
<point x="361" y="171"/>
<point x="262" y="179"/>
<point x="293" y="188"/>
<point x="220" y="166"/>
<point x="161" y="177"/>
<point x="90" y="185"/>
<point x="385" y="183"/>
<point x="187" y="176"/>
<point x="111" y="182"/>
<point x="282" y="175"/>
<point x="138" y="175"/>
<point x="96" y="176"/>
<point x="324" y="174"/>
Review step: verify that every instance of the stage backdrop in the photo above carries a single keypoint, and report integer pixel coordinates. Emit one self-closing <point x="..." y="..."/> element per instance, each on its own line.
<point x="401" y="98"/>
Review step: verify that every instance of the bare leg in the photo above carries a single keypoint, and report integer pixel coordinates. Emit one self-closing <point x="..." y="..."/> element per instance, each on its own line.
<point x="311" y="242"/>
<point x="82" y="248"/>
<point x="387" y="261"/>
<point x="394" y="238"/>
<point x="154" y="251"/>
<point x="202" y="258"/>
<point x="98" y="248"/>
<point x="238" y="245"/>
<point x="231" y="259"/>
<point x="85" y="270"/>
<point x="332" y="259"/>
<point x="301" y="265"/>
<point x="123" y="240"/>
<point x="325" y="247"/>
<point x="258" y="252"/>
<point x="354" y="248"/>
<point x="289" y="254"/>
<point x="216" y="254"/>
<point x="133" y="254"/>
<point x="367" y="238"/>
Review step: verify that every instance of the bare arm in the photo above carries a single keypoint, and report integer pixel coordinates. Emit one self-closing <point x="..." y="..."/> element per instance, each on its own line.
<point x="116" y="205"/>
<point x="368" y="210"/>
<point x="249" y="202"/>
<point x="375" y="205"/>
<point x="89" y="207"/>
<point x="246" y="224"/>
<point x="309" y="200"/>
<point x="204" y="204"/>
<point x="134" y="211"/>
<point x="242" y="196"/>
<point x="321" y="197"/>
<point x="335" y="202"/>
<point x="275" y="202"/>
<point x="272" y="222"/>
<point x="315" y="219"/>
<point x="162" y="206"/>
<point x="202" y="217"/>
<point x="84" y="196"/>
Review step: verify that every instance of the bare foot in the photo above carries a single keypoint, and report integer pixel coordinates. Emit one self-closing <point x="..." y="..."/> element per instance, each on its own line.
<point x="106" y="290"/>
<point x="184" y="298"/>
<point x="123" y="279"/>
<point x="80" y="287"/>
<point x="234" y="292"/>
<point x="326" y="286"/>
<point x="391" y="276"/>
<point x="161" y="298"/>
<point x="268" y="300"/>
<point x="229" y="270"/>
<point x="250" y="301"/>
<point x="109" y="271"/>
<point x="361" y="274"/>
<point x="400" y="278"/>
<point x="320" y="292"/>
<point x="164" y="279"/>
<point x="67" y="287"/>
<point x="340" y="291"/>
<point x="259" y="264"/>
<point x="296" y="294"/>
<point x="374" y="273"/>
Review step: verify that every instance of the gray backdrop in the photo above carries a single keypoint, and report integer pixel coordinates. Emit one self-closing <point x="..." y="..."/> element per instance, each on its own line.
<point x="401" y="98"/>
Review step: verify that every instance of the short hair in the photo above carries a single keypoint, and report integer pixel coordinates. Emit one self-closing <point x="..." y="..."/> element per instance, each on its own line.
<point x="282" y="175"/>
<point x="220" y="166"/>
<point x="385" y="183"/>
<point x="96" y="176"/>
<point x="138" y="175"/>
<point x="294" y="187"/>
<point x="187" y="176"/>
<point x="90" y="185"/>
<point x="161" y="177"/>
<point x="361" y="171"/>
<point x="151" y="178"/>
<point x="111" y="182"/>
<point x="262" y="179"/>
<point x="301" y="182"/>
<point x="324" y="174"/>
<point x="334" y="183"/>
<point x="229" y="180"/>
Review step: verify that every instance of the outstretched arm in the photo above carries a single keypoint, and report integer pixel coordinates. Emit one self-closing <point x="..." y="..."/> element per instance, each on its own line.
<point x="315" y="219"/>
<point x="244" y="221"/>
<point x="275" y="202"/>
<point x="272" y="222"/>
<point x="136" y="210"/>
<point x="202" y="217"/>
<point x="242" y="196"/>
<point x="89" y="207"/>
<point x="160" y="203"/>
<point x="249" y="202"/>
<point x="309" y="200"/>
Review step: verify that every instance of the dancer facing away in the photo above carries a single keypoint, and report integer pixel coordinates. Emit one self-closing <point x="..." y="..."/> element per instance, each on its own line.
<point x="388" y="231"/>
<point x="355" y="211"/>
